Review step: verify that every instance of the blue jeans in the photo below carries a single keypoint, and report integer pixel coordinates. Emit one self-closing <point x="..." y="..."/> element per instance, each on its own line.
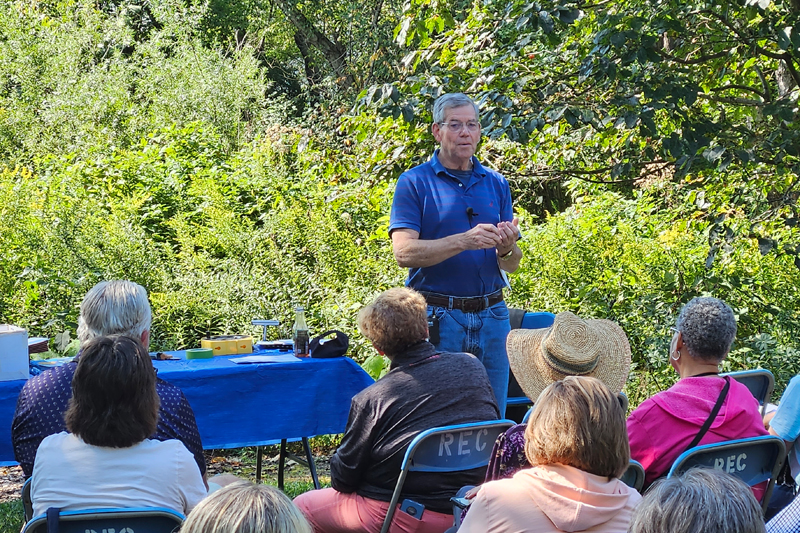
<point x="483" y="334"/>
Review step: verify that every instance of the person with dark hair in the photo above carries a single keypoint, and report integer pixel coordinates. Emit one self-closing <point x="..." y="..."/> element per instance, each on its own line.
<point x="107" y="460"/>
<point x="116" y="307"/>
<point x="702" y="500"/>
<point x="702" y="407"/>
<point x="425" y="388"/>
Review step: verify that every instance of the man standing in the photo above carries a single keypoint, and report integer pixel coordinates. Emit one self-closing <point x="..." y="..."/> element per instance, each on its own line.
<point x="109" y="308"/>
<point x="452" y="225"/>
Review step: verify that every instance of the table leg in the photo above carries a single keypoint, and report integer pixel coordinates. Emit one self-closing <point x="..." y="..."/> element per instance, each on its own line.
<point x="259" y="454"/>
<point x="281" y="462"/>
<point x="308" y="462"/>
<point x="311" y="466"/>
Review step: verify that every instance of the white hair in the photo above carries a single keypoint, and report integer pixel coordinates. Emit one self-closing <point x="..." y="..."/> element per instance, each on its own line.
<point x="701" y="500"/>
<point x="243" y="507"/>
<point x="114" y="308"/>
<point x="451" y="101"/>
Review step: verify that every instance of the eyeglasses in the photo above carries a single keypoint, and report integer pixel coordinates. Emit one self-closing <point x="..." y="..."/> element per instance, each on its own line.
<point x="674" y="330"/>
<point x="472" y="126"/>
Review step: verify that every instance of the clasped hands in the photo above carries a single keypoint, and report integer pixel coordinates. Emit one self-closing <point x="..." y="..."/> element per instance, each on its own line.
<point x="503" y="236"/>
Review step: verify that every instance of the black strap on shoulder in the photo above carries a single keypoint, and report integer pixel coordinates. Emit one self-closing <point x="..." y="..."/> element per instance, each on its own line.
<point x="52" y="519"/>
<point x="703" y="430"/>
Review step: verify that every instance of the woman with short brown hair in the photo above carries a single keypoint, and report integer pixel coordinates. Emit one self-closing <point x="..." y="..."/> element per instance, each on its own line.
<point x="578" y="446"/>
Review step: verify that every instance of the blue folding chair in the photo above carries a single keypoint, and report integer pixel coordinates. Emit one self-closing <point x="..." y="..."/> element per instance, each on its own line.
<point x="131" y="520"/>
<point x="447" y="449"/>
<point x="753" y="460"/>
<point x="634" y="476"/>
<point x="538" y="320"/>
<point x="760" y="381"/>
<point x="27" y="502"/>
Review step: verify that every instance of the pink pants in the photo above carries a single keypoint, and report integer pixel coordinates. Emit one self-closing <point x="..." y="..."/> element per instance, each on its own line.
<point x="330" y="511"/>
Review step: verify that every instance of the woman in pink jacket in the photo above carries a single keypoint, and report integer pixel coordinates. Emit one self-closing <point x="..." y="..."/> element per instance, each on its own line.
<point x="577" y="444"/>
<point x="702" y="407"/>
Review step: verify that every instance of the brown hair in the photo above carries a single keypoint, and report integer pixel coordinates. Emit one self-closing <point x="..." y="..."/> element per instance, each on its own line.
<point x="114" y="401"/>
<point x="395" y="320"/>
<point x="579" y="422"/>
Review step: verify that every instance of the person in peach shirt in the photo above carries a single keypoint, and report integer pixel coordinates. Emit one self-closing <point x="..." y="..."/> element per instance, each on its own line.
<point x="578" y="446"/>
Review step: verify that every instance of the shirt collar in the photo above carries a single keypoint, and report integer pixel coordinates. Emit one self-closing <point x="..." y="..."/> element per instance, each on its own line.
<point x="438" y="167"/>
<point x="414" y="354"/>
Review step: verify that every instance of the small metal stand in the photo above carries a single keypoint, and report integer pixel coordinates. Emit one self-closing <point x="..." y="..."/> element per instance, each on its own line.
<point x="265" y="324"/>
<point x="307" y="462"/>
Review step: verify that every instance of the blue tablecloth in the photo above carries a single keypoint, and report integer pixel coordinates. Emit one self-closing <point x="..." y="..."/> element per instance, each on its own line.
<point x="245" y="404"/>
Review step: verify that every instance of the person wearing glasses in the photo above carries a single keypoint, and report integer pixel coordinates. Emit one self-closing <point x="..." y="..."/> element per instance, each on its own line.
<point x="702" y="407"/>
<point x="452" y="225"/>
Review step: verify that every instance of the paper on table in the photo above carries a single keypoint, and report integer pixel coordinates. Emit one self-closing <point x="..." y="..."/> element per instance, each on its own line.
<point x="282" y="358"/>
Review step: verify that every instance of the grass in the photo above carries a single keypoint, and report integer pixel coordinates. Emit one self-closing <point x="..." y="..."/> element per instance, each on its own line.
<point x="11" y="516"/>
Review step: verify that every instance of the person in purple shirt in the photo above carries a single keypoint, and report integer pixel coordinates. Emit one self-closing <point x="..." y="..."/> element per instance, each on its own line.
<point x="452" y="225"/>
<point x="109" y="308"/>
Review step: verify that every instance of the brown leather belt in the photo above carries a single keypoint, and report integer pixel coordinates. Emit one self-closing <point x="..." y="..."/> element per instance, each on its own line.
<point x="467" y="305"/>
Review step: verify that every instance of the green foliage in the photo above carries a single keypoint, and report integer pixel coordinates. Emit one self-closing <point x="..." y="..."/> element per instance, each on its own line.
<point x="11" y="516"/>
<point x="615" y="258"/>
<point x="654" y="143"/>
<point x="216" y="239"/>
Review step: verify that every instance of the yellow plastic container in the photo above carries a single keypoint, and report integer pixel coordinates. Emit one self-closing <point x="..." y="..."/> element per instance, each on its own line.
<point x="228" y="344"/>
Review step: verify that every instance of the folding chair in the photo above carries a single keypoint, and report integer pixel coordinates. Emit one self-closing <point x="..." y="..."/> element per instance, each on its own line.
<point x="516" y="397"/>
<point x="634" y="476"/>
<point x="446" y="449"/>
<point x="753" y="460"/>
<point x="140" y="519"/>
<point x="27" y="502"/>
<point x="760" y="381"/>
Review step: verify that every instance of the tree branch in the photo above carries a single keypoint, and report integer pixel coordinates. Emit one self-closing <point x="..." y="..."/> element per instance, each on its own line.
<point x="786" y="57"/>
<point x="734" y="101"/>
<point x="696" y="61"/>
<point x="740" y="87"/>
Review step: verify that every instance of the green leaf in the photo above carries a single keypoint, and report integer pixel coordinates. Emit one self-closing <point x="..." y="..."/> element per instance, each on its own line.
<point x="785" y="38"/>
<point x="714" y="153"/>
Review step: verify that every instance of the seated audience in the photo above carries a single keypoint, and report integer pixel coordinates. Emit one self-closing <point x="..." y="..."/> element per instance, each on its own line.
<point x="701" y="500"/>
<point x="106" y="459"/>
<point x="672" y="421"/>
<point x="577" y="443"/>
<point x="423" y="389"/>
<point x="109" y="308"/>
<point x="246" y="508"/>
<point x="539" y="357"/>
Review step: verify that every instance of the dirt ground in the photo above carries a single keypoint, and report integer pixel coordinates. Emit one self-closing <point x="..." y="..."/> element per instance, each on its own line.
<point x="11" y="480"/>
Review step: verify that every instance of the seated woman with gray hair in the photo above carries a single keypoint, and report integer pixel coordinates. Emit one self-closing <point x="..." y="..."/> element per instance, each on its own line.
<point x="424" y="389"/>
<point x="576" y="441"/>
<point x="702" y="407"/>
<point x="107" y="459"/>
<point x="701" y="500"/>
<point x="243" y="507"/>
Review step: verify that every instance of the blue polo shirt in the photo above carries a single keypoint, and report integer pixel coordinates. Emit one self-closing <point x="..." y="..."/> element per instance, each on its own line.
<point x="430" y="200"/>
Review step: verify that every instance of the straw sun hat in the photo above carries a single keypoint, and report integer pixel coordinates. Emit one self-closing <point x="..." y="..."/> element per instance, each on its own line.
<point x="570" y="347"/>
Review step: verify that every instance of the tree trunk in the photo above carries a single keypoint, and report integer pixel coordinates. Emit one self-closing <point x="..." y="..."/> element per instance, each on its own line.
<point x="333" y="51"/>
<point x="312" y="73"/>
